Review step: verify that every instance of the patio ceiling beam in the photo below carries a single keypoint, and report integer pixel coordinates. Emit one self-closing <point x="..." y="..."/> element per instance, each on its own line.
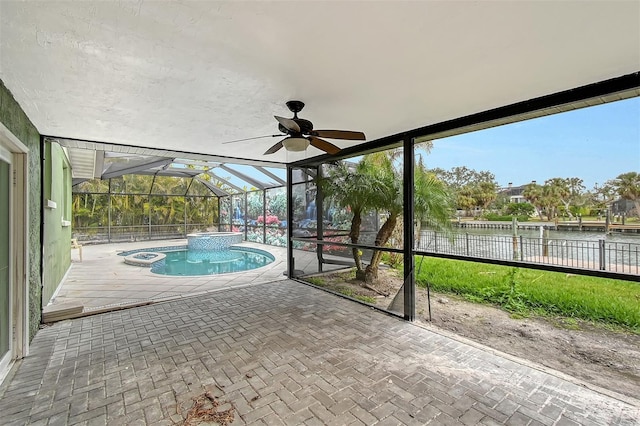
<point x="203" y="163"/>
<point x="120" y="169"/>
<point x="183" y="155"/>
<point x="174" y="172"/>
<point x="271" y="175"/>
<point x="244" y="177"/>
<point x="226" y="182"/>
<point x="216" y="190"/>
<point x="99" y="164"/>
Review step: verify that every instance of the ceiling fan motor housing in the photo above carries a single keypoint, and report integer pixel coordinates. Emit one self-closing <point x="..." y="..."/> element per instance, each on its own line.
<point x="295" y="106"/>
<point x="305" y="127"/>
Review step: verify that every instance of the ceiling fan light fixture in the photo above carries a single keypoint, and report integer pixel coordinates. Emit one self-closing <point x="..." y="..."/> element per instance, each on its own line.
<point x="295" y="144"/>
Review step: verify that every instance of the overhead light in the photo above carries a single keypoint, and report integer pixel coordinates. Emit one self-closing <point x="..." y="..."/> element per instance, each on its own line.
<point x="295" y="144"/>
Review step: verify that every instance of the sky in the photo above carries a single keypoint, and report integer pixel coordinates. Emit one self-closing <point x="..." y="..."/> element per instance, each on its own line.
<point x="595" y="144"/>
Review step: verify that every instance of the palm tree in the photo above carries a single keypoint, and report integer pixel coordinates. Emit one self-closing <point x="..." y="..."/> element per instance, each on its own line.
<point x="432" y="202"/>
<point x="350" y="188"/>
<point x="387" y="180"/>
<point x="376" y="184"/>
<point x="534" y="194"/>
<point x="627" y="185"/>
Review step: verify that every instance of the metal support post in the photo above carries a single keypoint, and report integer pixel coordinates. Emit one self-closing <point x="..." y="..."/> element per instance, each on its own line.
<point x="264" y="216"/>
<point x="244" y="216"/>
<point x="219" y="214"/>
<point x="319" y="219"/>
<point x="109" y="214"/>
<point x="290" y="259"/>
<point x="409" y="237"/>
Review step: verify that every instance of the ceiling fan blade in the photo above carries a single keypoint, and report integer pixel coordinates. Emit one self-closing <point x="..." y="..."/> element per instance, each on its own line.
<point x="327" y="147"/>
<point x="274" y="148"/>
<point x="288" y="124"/>
<point x="250" y="139"/>
<point x="339" y="134"/>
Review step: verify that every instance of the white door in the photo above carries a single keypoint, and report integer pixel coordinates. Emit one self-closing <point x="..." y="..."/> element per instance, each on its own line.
<point x="6" y="292"/>
<point x="14" y="262"/>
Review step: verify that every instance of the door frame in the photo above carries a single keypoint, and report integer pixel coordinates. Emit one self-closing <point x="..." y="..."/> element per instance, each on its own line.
<point x="16" y="153"/>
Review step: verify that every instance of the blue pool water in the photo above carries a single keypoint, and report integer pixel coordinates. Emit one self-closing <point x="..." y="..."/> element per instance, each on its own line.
<point x="182" y="262"/>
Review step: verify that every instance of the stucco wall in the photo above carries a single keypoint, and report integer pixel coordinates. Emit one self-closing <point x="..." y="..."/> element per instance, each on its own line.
<point x="57" y="188"/>
<point x="14" y="119"/>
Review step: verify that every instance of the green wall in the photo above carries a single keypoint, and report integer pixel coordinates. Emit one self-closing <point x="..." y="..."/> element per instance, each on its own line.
<point x="57" y="236"/>
<point x="14" y="119"/>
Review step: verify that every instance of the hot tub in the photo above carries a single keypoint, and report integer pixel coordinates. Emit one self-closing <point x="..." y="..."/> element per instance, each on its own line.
<point x="213" y="240"/>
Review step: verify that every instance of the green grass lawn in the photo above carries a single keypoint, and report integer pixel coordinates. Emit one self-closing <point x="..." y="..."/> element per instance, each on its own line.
<point x="528" y="291"/>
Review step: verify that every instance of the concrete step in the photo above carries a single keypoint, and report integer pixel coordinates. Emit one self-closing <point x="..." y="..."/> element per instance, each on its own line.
<point x="53" y="313"/>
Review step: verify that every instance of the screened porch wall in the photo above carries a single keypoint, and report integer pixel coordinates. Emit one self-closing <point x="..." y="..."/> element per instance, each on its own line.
<point x="123" y="209"/>
<point x="139" y="208"/>
<point x="261" y="215"/>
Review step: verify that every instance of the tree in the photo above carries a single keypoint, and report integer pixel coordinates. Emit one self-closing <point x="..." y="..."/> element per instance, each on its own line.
<point x="432" y="200"/>
<point x="601" y="196"/>
<point x="351" y="187"/>
<point x="376" y="184"/>
<point x="533" y="192"/>
<point x="484" y="193"/>
<point x="519" y="209"/>
<point x="627" y="186"/>
<point x="471" y="189"/>
<point x="568" y="191"/>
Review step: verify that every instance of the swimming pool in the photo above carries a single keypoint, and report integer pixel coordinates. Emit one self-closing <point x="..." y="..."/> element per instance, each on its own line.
<point x="181" y="261"/>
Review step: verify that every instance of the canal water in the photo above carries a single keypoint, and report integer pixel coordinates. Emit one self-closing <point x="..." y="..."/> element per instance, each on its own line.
<point x="614" y="252"/>
<point x="616" y="237"/>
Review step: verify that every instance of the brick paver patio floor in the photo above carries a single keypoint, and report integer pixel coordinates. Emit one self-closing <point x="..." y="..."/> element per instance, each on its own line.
<point x="283" y="353"/>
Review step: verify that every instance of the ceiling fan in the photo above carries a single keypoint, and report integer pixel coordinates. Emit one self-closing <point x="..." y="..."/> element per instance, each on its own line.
<point x="300" y="134"/>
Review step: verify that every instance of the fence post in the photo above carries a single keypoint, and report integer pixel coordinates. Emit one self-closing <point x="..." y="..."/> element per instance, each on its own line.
<point x="466" y="235"/>
<point x="514" y="225"/>
<point x="435" y="241"/>
<point x="541" y="233"/>
<point x="521" y="249"/>
<point x="601" y="254"/>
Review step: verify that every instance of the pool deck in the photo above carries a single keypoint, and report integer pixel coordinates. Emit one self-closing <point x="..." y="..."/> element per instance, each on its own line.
<point x="102" y="280"/>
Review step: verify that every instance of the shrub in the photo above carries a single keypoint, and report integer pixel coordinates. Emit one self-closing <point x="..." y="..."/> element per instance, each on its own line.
<point x="270" y="220"/>
<point x="504" y="218"/>
<point x="519" y="209"/>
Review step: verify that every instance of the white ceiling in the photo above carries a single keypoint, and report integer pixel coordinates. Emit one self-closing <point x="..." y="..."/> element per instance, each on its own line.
<point x="189" y="75"/>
